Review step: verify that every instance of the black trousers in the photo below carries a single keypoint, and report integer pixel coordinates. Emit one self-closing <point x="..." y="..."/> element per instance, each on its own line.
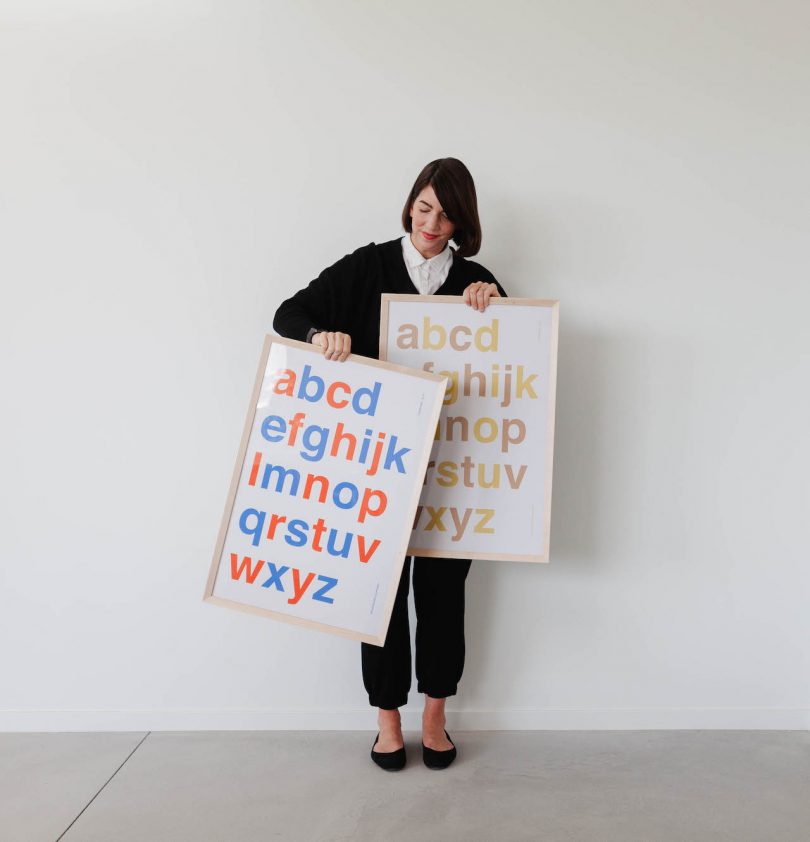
<point x="438" y="592"/>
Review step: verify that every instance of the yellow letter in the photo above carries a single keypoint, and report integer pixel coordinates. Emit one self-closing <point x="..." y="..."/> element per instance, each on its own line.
<point x="479" y="436"/>
<point x="451" y="395"/>
<point x="492" y="330"/>
<point x="428" y="329"/>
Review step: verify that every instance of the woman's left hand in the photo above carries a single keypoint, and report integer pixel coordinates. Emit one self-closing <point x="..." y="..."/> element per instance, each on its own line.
<point x="477" y="295"/>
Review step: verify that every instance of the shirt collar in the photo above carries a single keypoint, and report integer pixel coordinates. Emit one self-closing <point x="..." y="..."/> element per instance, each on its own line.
<point x="413" y="258"/>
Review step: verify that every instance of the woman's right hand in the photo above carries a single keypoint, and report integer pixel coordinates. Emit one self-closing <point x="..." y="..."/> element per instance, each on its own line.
<point x="336" y="346"/>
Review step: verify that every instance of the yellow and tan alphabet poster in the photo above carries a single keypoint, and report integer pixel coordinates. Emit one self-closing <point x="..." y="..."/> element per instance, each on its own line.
<point x="487" y="490"/>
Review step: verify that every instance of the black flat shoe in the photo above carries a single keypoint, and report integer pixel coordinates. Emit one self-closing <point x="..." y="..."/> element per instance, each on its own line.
<point x="391" y="761"/>
<point x="438" y="759"/>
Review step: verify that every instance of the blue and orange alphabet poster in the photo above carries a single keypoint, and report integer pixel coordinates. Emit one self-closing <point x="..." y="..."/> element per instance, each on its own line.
<point x="325" y="490"/>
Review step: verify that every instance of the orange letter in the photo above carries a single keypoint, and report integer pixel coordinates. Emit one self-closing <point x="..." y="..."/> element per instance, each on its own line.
<point x="365" y="554"/>
<point x="330" y="394"/>
<point x="298" y="588"/>
<point x="236" y="572"/>
<point x="288" y="379"/>
<point x="366" y="509"/>
<point x="257" y="460"/>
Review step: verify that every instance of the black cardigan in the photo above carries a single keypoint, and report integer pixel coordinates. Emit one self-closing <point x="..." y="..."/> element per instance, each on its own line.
<point x="346" y="296"/>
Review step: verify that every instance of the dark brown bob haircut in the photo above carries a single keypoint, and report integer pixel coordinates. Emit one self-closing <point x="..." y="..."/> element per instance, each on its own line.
<point x="454" y="188"/>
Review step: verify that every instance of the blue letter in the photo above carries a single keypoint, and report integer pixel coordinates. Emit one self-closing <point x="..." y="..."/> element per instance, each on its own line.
<point x="255" y="531"/>
<point x="306" y="379"/>
<point x="373" y="394"/>
<point x="274" y="424"/>
<point x="353" y="492"/>
<point x="299" y="529"/>
<point x="392" y="455"/>
<point x="275" y="576"/>
<point x="315" y="449"/>
<point x="330" y="583"/>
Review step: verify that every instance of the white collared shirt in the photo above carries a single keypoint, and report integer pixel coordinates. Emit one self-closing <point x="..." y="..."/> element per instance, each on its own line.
<point x="427" y="274"/>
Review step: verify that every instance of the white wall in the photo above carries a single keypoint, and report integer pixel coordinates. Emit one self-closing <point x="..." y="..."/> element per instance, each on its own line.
<point x="171" y="171"/>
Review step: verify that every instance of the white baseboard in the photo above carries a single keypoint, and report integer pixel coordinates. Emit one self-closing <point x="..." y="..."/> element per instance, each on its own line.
<point x="511" y="719"/>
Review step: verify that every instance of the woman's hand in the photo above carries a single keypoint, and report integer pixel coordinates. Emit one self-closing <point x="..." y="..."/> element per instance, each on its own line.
<point x="477" y="295"/>
<point x="336" y="346"/>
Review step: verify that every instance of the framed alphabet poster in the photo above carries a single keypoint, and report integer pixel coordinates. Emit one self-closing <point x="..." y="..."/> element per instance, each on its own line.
<point x="487" y="489"/>
<point x="324" y="491"/>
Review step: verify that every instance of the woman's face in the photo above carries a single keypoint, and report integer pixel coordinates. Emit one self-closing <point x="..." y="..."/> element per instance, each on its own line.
<point x="431" y="227"/>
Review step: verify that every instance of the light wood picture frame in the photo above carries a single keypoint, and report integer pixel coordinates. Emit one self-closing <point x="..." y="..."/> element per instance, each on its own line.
<point x="492" y="461"/>
<point x="307" y="495"/>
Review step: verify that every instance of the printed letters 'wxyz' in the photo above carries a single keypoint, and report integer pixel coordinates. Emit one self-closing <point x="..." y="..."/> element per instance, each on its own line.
<point x="299" y="588"/>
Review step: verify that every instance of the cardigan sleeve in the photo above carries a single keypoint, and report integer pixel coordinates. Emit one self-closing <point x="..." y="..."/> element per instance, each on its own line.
<point x="325" y="303"/>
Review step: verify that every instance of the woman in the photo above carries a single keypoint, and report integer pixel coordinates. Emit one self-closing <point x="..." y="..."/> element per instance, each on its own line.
<point x="340" y="312"/>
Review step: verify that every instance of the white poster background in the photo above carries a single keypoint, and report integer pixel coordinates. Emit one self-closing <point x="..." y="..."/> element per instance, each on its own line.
<point x="469" y="520"/>
<point x="362" y="599"/>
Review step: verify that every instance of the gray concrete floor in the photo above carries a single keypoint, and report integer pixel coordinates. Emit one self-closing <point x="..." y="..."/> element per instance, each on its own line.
<point x="317" y="786"/>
